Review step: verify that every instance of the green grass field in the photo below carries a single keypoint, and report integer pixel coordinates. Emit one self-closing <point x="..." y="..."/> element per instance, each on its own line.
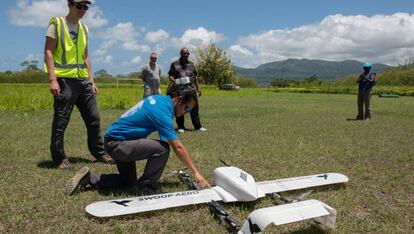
<point x="270" y="135"/>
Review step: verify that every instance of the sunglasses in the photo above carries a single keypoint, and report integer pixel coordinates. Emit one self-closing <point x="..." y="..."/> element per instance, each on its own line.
<point x="187" y="109"/>
<point x="186" y="53"/>
<point x="81" y="6"/>
<point x="153" y="58"/>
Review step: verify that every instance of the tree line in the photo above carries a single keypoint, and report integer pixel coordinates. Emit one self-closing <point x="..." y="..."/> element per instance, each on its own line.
<point x="402" y="75"/>
<point x="214" y="68"/>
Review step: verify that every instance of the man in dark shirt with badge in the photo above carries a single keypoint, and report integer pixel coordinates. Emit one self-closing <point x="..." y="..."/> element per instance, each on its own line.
<point x="183" y="74"/>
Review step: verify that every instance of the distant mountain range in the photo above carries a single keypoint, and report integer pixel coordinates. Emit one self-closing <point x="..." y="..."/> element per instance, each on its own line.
<point x="299" y="69"/>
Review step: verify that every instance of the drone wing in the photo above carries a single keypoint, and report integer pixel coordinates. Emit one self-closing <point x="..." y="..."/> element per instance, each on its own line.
<point x="118" y="207"/>
<point x="295" y="183"/>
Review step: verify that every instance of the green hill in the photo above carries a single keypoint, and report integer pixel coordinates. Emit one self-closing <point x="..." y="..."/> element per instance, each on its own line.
<point x="299" y="69"/>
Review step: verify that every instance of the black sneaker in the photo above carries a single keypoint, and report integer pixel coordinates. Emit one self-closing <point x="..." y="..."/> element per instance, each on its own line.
<point x="78" y="181"/>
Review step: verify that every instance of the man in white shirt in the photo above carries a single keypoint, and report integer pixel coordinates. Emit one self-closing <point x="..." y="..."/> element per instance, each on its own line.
<point x="150" y="74"/>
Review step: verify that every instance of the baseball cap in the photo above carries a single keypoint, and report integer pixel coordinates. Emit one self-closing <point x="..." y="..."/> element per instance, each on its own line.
<point x="367" y="65"/>
<point x="87" y="2"/>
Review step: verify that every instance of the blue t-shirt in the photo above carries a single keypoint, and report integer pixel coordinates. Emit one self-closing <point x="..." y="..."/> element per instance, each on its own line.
<point x="365" y="85"/>
<point x="154" y="113"/>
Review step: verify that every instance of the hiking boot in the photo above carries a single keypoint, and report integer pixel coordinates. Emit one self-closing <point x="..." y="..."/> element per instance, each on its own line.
<point x="78" y="182"/>
<point x="146" y="190"/>
<point x="105" y="158"/>
<point x="65" y="164"/>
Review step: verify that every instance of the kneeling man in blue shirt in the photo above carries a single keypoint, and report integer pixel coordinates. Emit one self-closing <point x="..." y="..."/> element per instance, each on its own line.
<point x="126" y="141"/>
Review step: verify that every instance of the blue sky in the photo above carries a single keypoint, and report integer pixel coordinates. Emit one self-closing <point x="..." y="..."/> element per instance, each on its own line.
<point x="124" y="32"/>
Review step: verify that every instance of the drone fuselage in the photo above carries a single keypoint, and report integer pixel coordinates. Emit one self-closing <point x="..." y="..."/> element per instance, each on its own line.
<point x="234" y="184"/>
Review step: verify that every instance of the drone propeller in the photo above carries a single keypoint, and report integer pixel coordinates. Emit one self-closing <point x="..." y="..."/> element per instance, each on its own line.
<point x="301" y="197"/>
<point x="184" y="177"/>
<point x="224" y="162"/>
<point x="177" y="172"/>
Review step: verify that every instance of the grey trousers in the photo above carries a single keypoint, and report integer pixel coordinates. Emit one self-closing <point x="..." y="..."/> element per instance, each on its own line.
<point x="364" y="97"/>
<point x="149" y="91"/>
<point x="75" y="92"/>
<point x="125" y="153"/>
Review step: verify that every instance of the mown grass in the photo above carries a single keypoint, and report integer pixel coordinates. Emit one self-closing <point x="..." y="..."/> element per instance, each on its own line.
<point x="270" y="135"/>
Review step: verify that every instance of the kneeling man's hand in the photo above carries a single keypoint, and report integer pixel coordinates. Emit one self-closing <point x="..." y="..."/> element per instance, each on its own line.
<point x="201" y="182"/>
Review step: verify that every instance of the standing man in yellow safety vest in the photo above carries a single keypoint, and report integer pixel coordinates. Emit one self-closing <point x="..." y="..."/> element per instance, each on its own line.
<point x="71" y="82"/>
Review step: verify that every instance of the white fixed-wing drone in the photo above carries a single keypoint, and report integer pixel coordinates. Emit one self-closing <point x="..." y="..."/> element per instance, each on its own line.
<point x="234" y="185"/>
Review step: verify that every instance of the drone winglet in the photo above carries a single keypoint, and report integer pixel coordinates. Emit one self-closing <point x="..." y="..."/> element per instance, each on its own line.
<point x="259" y="219"/>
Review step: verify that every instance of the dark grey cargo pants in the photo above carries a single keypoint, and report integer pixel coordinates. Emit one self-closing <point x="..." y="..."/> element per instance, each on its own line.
<point x="125" y="153"/>
<point x="364" y="97"/>
<point x="75" y="92"/>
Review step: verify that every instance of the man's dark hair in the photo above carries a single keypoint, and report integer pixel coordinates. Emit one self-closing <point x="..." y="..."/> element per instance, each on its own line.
<point x="185" y="92"/>
<point x="188" y="94"/>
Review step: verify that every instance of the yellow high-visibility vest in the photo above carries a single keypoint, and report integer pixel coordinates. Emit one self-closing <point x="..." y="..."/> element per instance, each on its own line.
<point x="69" y="57"/>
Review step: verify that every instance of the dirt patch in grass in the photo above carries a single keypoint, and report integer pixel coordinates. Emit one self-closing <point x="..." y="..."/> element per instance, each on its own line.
<point x="362" y="211"/>
<point x="2" y="227"/>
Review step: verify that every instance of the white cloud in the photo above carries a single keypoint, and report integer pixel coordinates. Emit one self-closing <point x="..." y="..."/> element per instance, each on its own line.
<point x="379" y="38"/>
<point x="105" y="59"/>
<point x="193" y="38"/>
<point x="135" y="46"/>
<point x="160" y="40"/>
<point x="37" y="13"/>
<point x="123" y="35"/>
<point x="133" y="65"/>
<point x="159" y="36"/>
<point x="240" y="50"/>
<point x="136" y="60"/>
<point x="242" y="54"/>
<point x="95" y="18"/>
<point x="120" y="32"/>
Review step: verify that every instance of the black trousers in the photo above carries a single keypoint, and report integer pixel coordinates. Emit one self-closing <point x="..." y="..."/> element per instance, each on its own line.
<point x="195" y="118"/>
<point x="77" y="92"/>
<point x="364" y="97"/>
<point x="125" y="153"/>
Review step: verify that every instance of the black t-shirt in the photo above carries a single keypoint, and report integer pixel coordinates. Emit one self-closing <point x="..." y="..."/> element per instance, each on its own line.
<point x="179" y="69"/>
